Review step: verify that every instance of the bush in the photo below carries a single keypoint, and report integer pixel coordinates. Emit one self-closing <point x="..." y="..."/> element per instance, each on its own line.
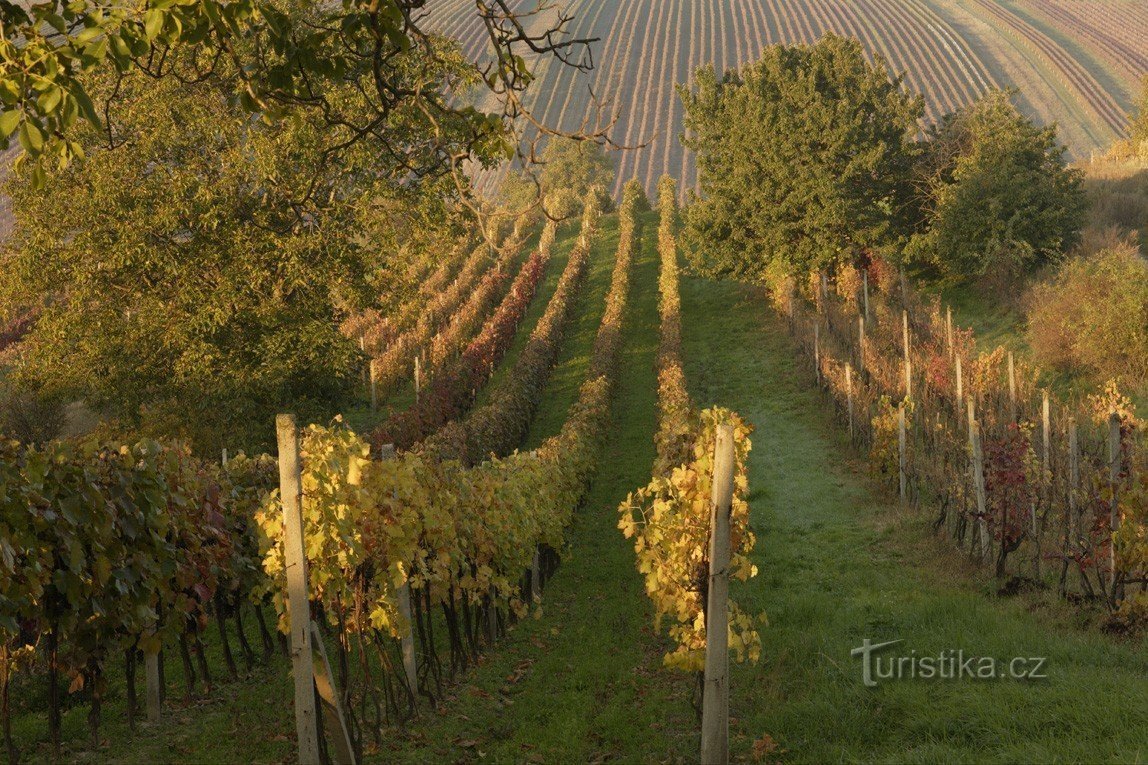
<point x="998" y="196"/>
<point x="1093" y="315"/>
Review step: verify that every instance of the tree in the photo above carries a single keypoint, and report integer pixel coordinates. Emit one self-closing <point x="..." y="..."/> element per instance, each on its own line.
<point x="997" y="194"/>
<point x="284" y="57"/>
<point x="803" y="159"/>
<point x="570" y="170"/>
<point x="1092" y="315"/>
<point x="1138" y="128"/>
<point x="187" y="291"/>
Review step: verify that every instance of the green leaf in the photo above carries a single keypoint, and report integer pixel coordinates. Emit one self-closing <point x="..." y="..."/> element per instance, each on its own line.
<point x="9" y="120"/>
<point x="153" y="23"/>
<point x="87" y="108"/>
<point x="49" y="100"/>
<point x="31" y="137"/>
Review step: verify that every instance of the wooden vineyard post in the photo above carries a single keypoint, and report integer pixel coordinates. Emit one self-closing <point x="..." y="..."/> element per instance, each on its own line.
<point x="817" y="349"/>
<point x="849" y="395"/>
<point x="901" y="450"/>
<point x="860" y="343"/>
<point x="154" y="695"/>
<point x="949" y="331"/>
<point x="865" y="286"/>
<point x="960" y="387"/>
<point x="908" y="363"/>
<point x="418" y="377"/>
<point x="1070" y="505"/>
<point x="334" y="724"/>
<point x="363" y="349"/>
<point x="1114" y="487"/>
<point x="904" y="290"/>
<point x="298" y="604"/>
<point x="1011" y="387"/>
<point x="1045" y="477"/>
<point x="223" y="458"/>
<point x="492" y="615"/>
<point x="536" y="577"/>
<point x="407" y="642"/>
<point x="374" y="387"/>
<point x="978" y="471"/>
<point x="715" y="694"/>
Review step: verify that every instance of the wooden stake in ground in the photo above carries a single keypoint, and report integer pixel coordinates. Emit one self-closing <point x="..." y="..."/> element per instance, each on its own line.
<point x="1011" y="387"/>
<point x="715" y="694"/>
<point x="960" y="387"/>
<point x="908" y="363"/>
<point x="949" y="331"/>
<point x="901" y="449"/>
<point x="861" y="343"/>
<point x="817" y="349"/>
<point x="407" y="642"/>
<point x="1045" y="479"/>
<point x="978" y="471"/>
<point x="1114" y="461"/>
<point x="849" y="394"/>
<point x="334" y="724"/>
<point x="363" y="348"/>
<point x="298" y="605"/>
<point x="1070" y="505"/>
<point x="374" y="387"/>
<point x="865" y="283"/>
<point x="418" y="379"/>
<point x="536" y="577"/>
<point x="154" y="700"/>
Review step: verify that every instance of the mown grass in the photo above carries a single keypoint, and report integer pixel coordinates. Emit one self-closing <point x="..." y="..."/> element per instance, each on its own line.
<point x="574" y="357"/>
<point x="840" y="563"/>
<point x="583" y="682"/>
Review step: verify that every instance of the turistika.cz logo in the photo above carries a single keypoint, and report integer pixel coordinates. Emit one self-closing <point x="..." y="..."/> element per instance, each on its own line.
<point x="950" y="664"/>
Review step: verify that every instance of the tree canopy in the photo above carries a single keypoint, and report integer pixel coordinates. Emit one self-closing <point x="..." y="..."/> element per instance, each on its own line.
<point x="1138" y="128"/>
<point x="188" y="291"/>
<point x="997" y="194"/>
<point x="803" y="159"/>
<point x="284" y="57"/>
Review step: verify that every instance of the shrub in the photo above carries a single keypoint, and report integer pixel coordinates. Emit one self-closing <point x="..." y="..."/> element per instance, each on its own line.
<point x="1093" y="315"/>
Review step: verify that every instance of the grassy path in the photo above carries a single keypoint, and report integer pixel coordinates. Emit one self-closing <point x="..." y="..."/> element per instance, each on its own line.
<point x="574" y="357"/>
<point x="583" y="683"/>
<point x="839" y="564"/>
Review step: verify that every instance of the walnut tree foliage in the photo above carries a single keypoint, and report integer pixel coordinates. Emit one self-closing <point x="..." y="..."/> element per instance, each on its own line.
<point x="803" y="159"/>
<point x="1138" y="124"/>
<point x="997" y="195"/>
<point x="184" y="288"/>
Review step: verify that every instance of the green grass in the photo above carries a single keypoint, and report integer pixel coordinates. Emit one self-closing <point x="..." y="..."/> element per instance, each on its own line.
<point x="574" y="357"/>
<point x="994" y="321"/>
<point x="584" y="682"/>
<point x="839" y="563"/>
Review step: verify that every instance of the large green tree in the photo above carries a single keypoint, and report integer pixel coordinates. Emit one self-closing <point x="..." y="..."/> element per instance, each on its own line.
<point x="1138" y="125"/>
<point x="284" y="57"/>
<point x="997" y="194"/>
<point x="803" y="160"/>
<point x="192" y="273"/>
